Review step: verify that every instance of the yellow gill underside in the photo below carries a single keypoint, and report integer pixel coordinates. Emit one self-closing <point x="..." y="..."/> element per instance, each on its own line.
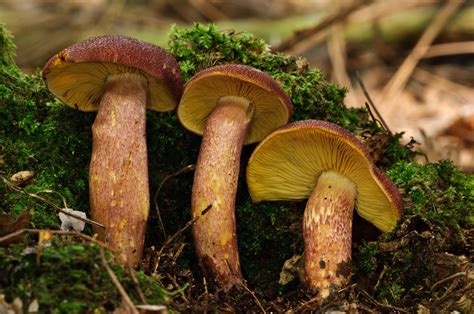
<point x="81" y="85"/>
<point x="287" y="165"/>
<point x="198" y="102"/>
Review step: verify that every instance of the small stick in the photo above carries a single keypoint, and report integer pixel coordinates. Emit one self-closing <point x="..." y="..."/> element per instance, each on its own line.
<point x="255" y="298"/>
<point x="51" y="203"/>
<point x="174" y="236"/>
<point x="131" y="271"/>
<point x="155" y="197"/>
<point x="206" y="295"/>
<point x="386" y="306"/>
<point x="446" y="296"/>
<point x="399" y="80"/>
<point x="449" y="278"/>
<point x="448" y="49"/>
<point x="369" y="99"/>
<point x="117" y="284"/>
<point x="58" y="232"/>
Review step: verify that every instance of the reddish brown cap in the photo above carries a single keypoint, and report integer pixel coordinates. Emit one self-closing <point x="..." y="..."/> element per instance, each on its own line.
<point x="286" y="165"/>
<point x="272" y="106"/>
<point x="77" y="74"/>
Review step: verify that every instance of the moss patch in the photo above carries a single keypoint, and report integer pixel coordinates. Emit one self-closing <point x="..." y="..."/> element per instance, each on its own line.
<point x="431" y="242"/>
<point x="82" y="286"/>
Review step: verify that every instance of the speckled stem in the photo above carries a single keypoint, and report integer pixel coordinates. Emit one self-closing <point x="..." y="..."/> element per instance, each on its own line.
<point x="118" y="174"/>
<point x="215" y="183"/>
<point x="327" y="230"/>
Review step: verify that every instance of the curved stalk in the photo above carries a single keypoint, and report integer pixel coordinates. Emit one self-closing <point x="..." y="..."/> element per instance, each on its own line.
<point x="215" y="183"/>
<point x="118" y="171"/>
<point x="327" y="229"/>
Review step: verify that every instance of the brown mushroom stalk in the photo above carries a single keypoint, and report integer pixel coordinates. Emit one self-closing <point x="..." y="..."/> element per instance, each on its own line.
<point x="327" y="230"/>
<point x="230" y="105"/>
<point x="118" y="171"/>
<point x="216" y="178"/>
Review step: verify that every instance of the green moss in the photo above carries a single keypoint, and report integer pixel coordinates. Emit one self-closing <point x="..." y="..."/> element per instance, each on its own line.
<point x="83" y="286"/>
<point x="7" y="47"/>
<point x="313" y="97"/>
<point x="40" y="135"/>
<point x="439" y="192"/>
<point x="439" y="207"/>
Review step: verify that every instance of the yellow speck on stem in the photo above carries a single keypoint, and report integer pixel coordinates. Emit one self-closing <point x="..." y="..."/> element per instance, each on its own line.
<point x="113" y="203"/>
<point x="225" y="237"/>
<point x="113" y="117"/>
<point x="113" y="176"/>
<point x="122" y="224"/>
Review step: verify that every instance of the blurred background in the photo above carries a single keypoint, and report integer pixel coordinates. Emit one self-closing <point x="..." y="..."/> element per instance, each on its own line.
<point x="412" y="58"/>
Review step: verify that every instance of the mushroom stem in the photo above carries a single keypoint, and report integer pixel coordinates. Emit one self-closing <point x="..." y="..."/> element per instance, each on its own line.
<point x="327" y="229"/>
<point x="118" y="178"/>
<point x="215" y="183"/>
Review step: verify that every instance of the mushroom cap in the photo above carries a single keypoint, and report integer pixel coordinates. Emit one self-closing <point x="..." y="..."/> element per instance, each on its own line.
<point x="77" y="74"/>
<point x="272" y="106"/>
<point x="286" y="165"/>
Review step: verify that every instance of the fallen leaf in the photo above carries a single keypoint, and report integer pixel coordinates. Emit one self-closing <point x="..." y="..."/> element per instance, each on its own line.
<point x="22" y="177"/>
<point x="9" y="225"/>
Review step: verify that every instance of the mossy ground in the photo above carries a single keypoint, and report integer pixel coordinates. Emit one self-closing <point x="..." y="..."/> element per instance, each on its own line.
<point x="39" y="134"/>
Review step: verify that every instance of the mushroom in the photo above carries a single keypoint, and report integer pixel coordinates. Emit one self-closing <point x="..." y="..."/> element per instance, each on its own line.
<point x="119" y="77"/>
<point x="230" y="105"/>
<point x="327" y="164"/>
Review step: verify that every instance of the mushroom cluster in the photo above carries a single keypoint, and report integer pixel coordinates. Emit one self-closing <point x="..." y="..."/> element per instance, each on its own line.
<point x="119" y="77"/>
<point x="324" y="163"/>
<point x="229" y="105"/>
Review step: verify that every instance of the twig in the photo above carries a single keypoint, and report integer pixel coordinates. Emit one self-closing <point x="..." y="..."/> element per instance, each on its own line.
<point x="206" y="295"/>
<point x="131" y="271"/>
<point x="117" y="284"/>
<point x="155" y="197"/>
<point x="51" y="203"/>
<point x="337" y="54"/>
<point x="174" y="236"/>
<point x="208" y="10"/>
<point x="449" y="278"/>
<point x="399" y="80"/>
<point x="442" y="83"/>
<point x="255" y="298"/>
<point x="372" y="105"/>
<point x="446" y="296"/>
<point x="385" y="306"/>
<point x="58" y="232"/>
<point x="305" y="39"/>
<point x="464" y="47"/>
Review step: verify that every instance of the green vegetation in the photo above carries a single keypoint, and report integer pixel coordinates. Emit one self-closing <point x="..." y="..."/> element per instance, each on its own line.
<point x="83" y="284"/>
<point x="439" y="192"/>
<point x="439" y="207"/>
<point x="39" y="134"/>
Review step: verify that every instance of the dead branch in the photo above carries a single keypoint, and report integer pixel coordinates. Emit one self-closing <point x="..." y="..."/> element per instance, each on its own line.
<point x="118" y="285"/>
<point x="155" y="197"/>
<point x="51" y="203"/>
<point x="399" y="80"/>
<point x="174" y="236"/>
<point x="58" y="232"/>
